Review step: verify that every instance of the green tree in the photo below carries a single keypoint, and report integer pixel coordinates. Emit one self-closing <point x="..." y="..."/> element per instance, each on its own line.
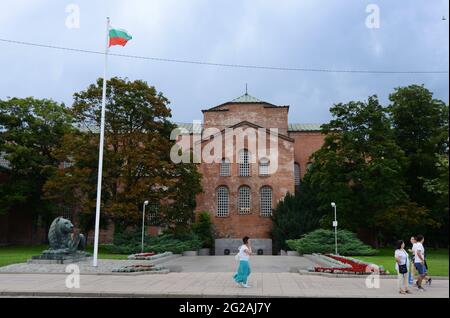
<point x="30" y="129"/>
<point x="137" y="165"/>
<point x="439" y="187"/>
<point x="294" y="216"/>
<point x="400" y="222"/>
<point x="203" y="228"/>
<point x="421" y="129"/>
<point x="359" y="166"/>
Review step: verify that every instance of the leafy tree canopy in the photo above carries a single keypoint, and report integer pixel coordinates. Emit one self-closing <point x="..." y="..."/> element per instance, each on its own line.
<point x="30" y="130"/>
<point x="137" y="165"/>
<point x="359" y="166"/>
<point x="420" y="125"/>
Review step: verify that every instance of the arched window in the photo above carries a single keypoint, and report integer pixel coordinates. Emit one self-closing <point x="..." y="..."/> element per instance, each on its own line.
<point x="225" y="168"/>
<point x="264" y="167"/>
<point x="244" y="163"/>
<point x="297" y="174"/>
<point x="265" y="201"/>
<point x="244" y="200"/>
<point x="222" y="201"/>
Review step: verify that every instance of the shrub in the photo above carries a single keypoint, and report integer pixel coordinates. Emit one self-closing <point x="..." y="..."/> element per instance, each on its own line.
<point x="322" y="241"/>
<point x="130" y="243"/>
<point x="203" y="229"/>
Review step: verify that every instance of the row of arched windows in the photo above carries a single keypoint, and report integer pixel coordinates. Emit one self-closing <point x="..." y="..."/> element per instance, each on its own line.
<point x="264" y="164"/>
<point x="244" y="165"/>
<point x="244" y="201"/>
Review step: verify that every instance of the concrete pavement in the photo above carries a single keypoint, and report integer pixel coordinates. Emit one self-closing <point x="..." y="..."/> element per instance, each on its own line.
<point x="259" y="264"/>
<point x="204" y="284"/>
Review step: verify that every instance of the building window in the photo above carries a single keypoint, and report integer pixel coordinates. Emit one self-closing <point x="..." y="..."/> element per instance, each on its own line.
<point x="66" y="212"/>
<point x="244" y="200"/>
<point x="264" y="167"/>
<point x="244" y="163"/>
<point x="222" y="201"/>
<point x="297" y="174"/>
<point x="266" y="201"/>
<point x="152" y="215"/>
<point x="225" y="168"/>
<point x="68" y="163"/>
<point x="3" y="162"/>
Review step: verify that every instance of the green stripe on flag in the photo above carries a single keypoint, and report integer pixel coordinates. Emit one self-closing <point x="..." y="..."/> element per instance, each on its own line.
<point x="117" y="33"/>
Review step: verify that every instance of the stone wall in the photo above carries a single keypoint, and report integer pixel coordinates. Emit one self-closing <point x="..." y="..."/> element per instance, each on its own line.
<point x="232" y="246"/>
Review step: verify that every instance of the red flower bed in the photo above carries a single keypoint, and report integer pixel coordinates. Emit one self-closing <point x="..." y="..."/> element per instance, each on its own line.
<point x="356" y="268"/>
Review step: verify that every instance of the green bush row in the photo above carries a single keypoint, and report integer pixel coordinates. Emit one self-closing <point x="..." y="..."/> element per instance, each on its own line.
<point x="323" y="241"/>
<point x="130" y="243"/>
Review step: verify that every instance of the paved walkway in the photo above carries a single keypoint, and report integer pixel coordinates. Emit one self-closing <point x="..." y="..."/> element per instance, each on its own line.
<point x="176" y="263"/>
<point x="259" y="264"/>
<point x="202" y="284"/>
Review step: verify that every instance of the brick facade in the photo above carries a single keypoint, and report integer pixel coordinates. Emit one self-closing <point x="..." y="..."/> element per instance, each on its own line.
<point x="296" y="143"/>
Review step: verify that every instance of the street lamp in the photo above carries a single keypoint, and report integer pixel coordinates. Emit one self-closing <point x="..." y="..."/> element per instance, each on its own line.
<point x="335" y="224"/>
<point x="143" y="225"/>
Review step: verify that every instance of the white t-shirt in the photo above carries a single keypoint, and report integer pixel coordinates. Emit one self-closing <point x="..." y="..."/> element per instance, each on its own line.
<point x="418" y="249"/>
<point x="242" y="255"/>
<point x="403" y="255"/>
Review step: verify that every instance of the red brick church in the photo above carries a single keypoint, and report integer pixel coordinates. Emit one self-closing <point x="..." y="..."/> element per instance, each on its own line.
<point x="240" y="194"/>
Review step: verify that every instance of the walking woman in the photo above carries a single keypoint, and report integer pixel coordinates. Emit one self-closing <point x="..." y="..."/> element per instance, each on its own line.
<point x="402" y="265"/>
<point x="243" y="270"/>
<point x="412" y="268"/>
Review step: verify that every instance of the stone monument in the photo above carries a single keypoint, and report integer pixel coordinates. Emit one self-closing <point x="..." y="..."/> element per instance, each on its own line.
<point x="64" y="245"/>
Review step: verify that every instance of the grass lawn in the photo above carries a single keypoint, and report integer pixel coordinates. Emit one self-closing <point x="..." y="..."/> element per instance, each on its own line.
<point x="437" y="260"/>
<point x="20" y="254"/>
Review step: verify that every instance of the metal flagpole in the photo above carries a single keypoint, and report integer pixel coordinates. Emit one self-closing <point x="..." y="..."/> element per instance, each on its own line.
<point x="100" y="155"/>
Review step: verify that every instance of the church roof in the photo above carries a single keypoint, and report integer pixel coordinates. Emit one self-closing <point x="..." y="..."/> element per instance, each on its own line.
<point x="246" y="98"/>
<point x="304" y="127"/>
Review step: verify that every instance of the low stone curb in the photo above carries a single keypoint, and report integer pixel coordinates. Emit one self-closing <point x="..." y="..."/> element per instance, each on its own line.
<point x="164" y="271"/>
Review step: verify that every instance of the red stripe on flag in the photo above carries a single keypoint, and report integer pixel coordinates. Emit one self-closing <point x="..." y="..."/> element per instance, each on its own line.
<point x="117" y="41"/>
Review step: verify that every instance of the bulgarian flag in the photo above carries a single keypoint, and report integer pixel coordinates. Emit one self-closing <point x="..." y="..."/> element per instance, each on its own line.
<point x="118" y="37"/>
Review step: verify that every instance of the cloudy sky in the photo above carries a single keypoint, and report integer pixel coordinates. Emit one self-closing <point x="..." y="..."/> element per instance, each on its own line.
<point x="325" y="34"/>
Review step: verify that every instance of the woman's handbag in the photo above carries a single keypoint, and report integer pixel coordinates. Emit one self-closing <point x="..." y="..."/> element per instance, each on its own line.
<point x="403" y="269"/>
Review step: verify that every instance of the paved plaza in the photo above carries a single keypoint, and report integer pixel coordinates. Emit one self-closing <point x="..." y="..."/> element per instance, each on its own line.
<point x="218" y="264"/>
<point x="203" y="284"/>
<point x="209" y="277"/>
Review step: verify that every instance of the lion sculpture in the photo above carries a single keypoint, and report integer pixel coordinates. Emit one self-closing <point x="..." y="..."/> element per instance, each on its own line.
<point x="62" y="239"/>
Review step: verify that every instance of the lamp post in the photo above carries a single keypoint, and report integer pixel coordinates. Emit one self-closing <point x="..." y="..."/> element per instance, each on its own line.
<point x="143" y="225"/>
<point x="335" y="224"/>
